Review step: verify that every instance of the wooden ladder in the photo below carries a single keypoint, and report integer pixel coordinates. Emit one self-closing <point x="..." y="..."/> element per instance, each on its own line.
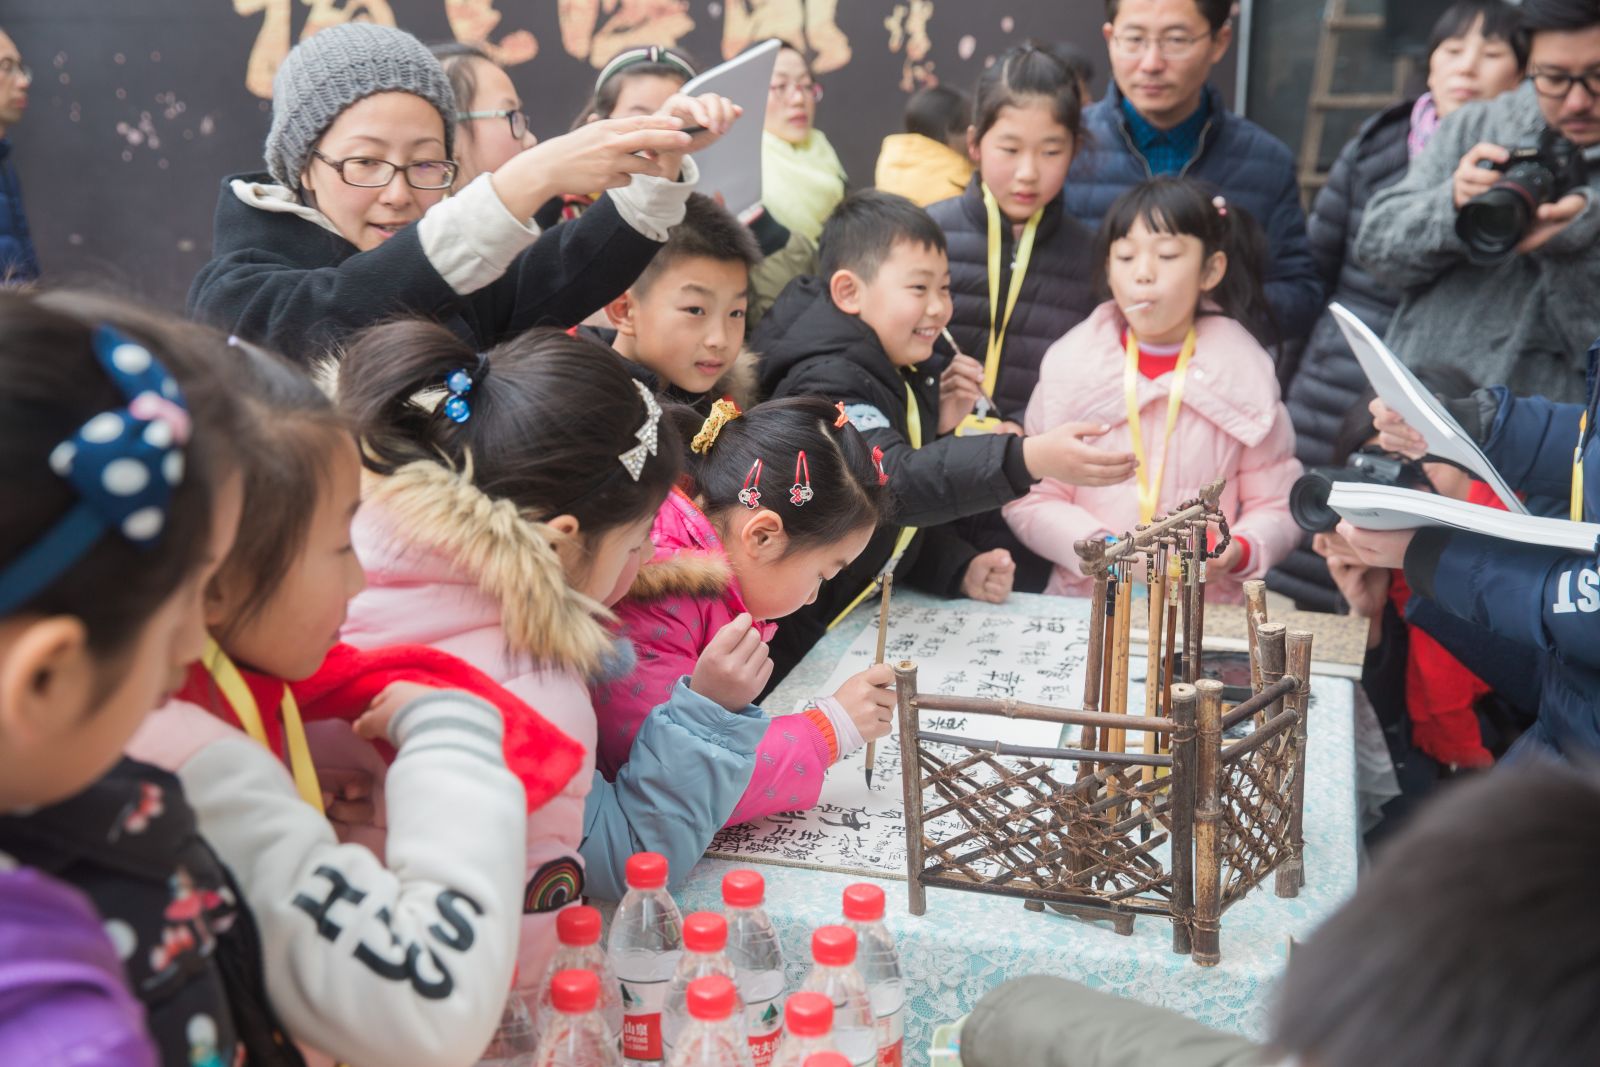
<point x="1337" y="21"/>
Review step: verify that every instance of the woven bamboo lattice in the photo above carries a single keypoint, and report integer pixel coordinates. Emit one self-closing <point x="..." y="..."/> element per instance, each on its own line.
<point x="1183" y="826"/>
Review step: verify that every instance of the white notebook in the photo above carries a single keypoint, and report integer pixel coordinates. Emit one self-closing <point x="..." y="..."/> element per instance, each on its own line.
<point x="1389" y="507"/>
<point x="732" y="166"/>
<point x="1397" y="387"/>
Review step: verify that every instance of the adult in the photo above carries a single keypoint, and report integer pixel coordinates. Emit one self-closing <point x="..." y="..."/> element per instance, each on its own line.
<point x="18" y="261"/>
<point x="1161" y="117"/>
<point x="802" y="180"/>
<point x="491" y="127"/>
<point x="1476" y="53"/>
<point x="1521" y="320"/>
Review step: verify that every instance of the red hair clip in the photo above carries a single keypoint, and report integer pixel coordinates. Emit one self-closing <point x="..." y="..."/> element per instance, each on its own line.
<point x="877" y="459"/>
<point x="800" y="492"/>
<point x="750" y="495"/>
<point x="843" y="420"/>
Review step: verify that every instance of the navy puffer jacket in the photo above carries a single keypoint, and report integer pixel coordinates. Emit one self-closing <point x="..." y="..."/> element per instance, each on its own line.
<point x="1057" y="293"/>
<point x="18" y="261"/>
<point x="1244" y="162"/>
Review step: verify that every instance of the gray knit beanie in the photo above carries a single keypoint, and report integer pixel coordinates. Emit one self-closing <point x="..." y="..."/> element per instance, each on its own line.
<point x="336" y="67"/>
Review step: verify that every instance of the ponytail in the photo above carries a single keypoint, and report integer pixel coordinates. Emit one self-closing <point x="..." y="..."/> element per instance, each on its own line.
<point x="840" y="468"/>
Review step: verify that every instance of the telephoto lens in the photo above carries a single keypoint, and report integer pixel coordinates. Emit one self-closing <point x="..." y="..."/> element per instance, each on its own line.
<point x="1308" y="497"/>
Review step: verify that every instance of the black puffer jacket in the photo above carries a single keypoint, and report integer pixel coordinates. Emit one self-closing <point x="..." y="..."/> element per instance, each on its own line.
<point x="811" y="348"/>
<point x="1057" y="294"/>
<point x="1329" y="381"/>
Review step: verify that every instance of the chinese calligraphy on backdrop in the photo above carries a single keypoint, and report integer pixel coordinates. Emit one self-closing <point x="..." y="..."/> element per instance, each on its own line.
<point x="596" y="30"/>
<point x="1039" y="659"/>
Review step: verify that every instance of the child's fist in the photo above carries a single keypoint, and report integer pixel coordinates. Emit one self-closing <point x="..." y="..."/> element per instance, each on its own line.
<point x="959" y="388"/>
<point x="1064" y="453"/>
<point x="374" y="722"/>
<point x="868" y="698"/>
<point x="989" y="576"/>
<point x="735" y="666"/>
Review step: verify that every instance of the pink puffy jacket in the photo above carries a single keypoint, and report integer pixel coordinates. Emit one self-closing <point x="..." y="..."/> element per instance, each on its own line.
<point x="676" y="605"/>
<point x="1232" y="425"/>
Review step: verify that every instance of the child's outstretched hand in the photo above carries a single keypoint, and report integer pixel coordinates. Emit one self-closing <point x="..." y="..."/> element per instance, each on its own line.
<point x="734" y="667"/>
<point x="868" y="698"/>
<point x="1064" y="453"/>
<point x="989" y="576"/>
<point x="605" y="154"/>
<point x="374" y="722"/>
<point x="959" y="387"/>
<point x="709" y="115"/>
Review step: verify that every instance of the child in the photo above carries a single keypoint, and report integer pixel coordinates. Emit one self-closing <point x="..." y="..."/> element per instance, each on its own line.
<point x="1020" y="267"/>
<point x="118" y="499"/>
<point x="928" y="162"/>
<point x="681" y="325"/>
<point x="1168" y="366"/>
<point x="738" y="547"/>
<point x="859" y="335"/>
<point x="363" y="124"/>
<point x="417" y="974"/>
<point x="802" y="180"/>
<point x="503" y="518"/>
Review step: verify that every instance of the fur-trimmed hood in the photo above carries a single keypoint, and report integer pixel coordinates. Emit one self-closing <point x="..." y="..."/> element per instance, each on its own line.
<point x="694" y="574"/>
<point x="427" y="525"/>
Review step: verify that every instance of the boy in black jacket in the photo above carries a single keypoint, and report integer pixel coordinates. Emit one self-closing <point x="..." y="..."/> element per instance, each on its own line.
<point x="863" y="335"/>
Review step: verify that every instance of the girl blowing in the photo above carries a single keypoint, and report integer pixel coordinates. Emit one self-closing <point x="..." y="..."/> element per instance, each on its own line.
<point x="740" y="544"/>
<point x="512" y="500"/>
<point x="1170" y="369"/>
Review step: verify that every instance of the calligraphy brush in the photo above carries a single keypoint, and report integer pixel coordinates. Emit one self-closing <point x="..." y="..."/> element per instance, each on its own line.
<point x="883" y="636"/>
<point x="987" y="401"/>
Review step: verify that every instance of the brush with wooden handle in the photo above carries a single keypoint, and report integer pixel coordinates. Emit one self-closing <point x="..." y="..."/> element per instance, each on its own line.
<point x="883" y="637"/>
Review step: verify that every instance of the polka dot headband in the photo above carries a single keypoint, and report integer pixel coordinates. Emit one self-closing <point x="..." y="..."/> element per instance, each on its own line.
<point x="123" y="465"/>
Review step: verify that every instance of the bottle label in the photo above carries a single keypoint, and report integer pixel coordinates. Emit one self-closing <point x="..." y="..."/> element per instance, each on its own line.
<point x="764" y="1023"/>
<point x="641" y="1020"/>
<point x="892" y="1038"/>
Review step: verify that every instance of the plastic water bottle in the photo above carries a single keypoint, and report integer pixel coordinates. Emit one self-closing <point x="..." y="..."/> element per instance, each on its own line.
<point x="646" y="941"/>
<point x="578" y="929"/>
<point x="807" y="1030"/>
<point x="826" y="1059"/>
<point x="855" y="1029"/>
<point x="577" y="1035"/>
<point x="879" y="965"/>
<point x="758" y="962"/>
<point x="705" y="941"/>
<point x="516" y="1040"/>
<point x="714" y="1036"/>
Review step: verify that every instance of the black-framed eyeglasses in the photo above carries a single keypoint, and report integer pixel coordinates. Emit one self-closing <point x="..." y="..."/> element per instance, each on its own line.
<point x="518" y="119"/>
<point x="366" y="173"/>
<point x="1168" y="45"/>
<point x="1556" y="84"/>
<point x="12" y="68"/>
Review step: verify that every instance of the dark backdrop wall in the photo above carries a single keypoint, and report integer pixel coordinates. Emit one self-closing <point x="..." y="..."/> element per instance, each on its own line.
<point x="140" y="107"/>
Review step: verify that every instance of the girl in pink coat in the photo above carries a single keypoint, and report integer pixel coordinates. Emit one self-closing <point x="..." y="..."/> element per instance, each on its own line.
<point x="1169" y="368"/>
<point x="777" y="501"/>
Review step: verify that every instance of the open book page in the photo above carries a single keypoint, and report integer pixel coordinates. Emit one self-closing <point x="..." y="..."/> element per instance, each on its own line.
<point x="732" y="166"/>
<point x="1389" y="507"/>
<point x="1397" y="387"/>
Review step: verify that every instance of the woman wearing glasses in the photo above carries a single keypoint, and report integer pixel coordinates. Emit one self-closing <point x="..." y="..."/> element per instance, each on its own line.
<point x="802" y="180"/>
<point x="491" y="127"/>
<point x="351" y="225"/>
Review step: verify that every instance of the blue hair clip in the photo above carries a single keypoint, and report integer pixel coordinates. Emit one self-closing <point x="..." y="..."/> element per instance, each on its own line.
<point x="457" y="408"/>
<point x="123" y="465"/>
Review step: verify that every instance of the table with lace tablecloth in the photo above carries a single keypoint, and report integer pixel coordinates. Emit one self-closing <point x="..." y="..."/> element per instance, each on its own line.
<point x="967" y="943"/>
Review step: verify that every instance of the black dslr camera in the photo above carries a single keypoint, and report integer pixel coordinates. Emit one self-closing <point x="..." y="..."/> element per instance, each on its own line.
<point x="1308" y="498"/>
<point x="1494" y="222"/>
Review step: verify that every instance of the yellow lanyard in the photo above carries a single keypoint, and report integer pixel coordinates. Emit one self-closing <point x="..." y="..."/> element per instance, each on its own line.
<point x="237" y="693"/>
<point x="1000" y="320"/>
<point x="1150" y="487"/>
<point x="902" y="542"/>
<point x="1577" y="470"/>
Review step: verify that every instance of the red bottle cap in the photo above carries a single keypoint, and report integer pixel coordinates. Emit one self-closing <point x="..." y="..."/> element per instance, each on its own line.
<point x="834" y="946"/>
<point x="711" y="999"/>
<point x="705" y="931"/>
<point x="826" y="1059"/>
<point x="743" y="889"/>
<point x="863" y="903"/>
<point x="574" y="992"/>
<point x="647" y="870"/>
<point x="808" y="1015"/>
<point x="578" y="925"/>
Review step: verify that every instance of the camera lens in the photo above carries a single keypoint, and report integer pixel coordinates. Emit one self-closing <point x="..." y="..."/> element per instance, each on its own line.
<point x="1308" y="502"/>
<point x="1492" y="223"/>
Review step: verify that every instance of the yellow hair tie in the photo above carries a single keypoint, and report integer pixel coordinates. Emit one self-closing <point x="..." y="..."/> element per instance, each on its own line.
<point x="723" y="412"/>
